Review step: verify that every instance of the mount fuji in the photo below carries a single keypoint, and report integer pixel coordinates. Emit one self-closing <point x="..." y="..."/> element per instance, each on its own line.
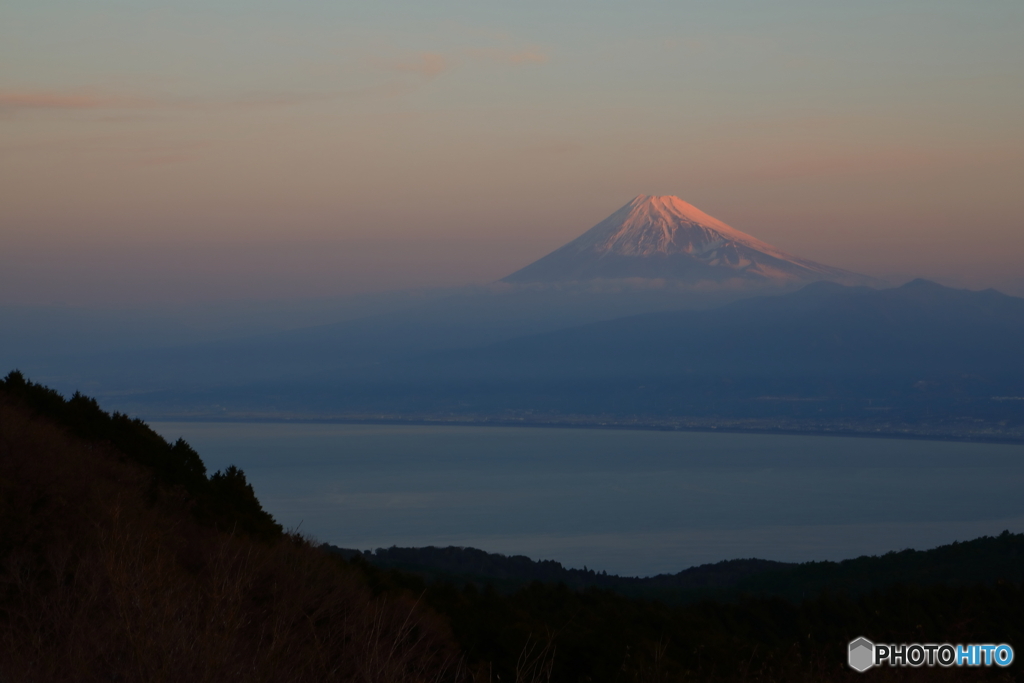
<point x="665" y="238"/>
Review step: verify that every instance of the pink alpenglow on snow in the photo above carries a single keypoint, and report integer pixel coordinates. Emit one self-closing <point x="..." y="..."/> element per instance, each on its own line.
<point x="666" y="238"/>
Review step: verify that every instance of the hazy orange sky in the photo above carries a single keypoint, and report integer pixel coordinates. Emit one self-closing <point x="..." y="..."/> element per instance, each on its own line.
<point x="188" y="151"/>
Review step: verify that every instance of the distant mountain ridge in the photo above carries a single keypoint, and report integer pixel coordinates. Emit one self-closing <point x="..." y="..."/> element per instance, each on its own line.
<point x="918" y="327"/>
<point x="663" y="237"/>
<point x="984" y="560"/>
<point x="920" y="360"/>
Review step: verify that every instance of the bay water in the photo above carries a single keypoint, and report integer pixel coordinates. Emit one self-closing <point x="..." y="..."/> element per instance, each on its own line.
<point x="630" y="502"/>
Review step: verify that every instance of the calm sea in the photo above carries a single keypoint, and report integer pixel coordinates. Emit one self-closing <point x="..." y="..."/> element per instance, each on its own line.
<point x="629" y="502"/>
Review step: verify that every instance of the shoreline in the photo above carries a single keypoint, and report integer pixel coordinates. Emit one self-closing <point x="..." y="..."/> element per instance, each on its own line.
<point x="609" y="424"/>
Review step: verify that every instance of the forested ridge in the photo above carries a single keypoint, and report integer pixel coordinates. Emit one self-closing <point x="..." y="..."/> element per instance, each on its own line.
<point x="985" y="560"/>
<point x="121" y="559"/>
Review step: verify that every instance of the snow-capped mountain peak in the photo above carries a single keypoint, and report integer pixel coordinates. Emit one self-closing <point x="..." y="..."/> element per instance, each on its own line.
<point x="664" y="237"/>
<point x="651" y="225"/>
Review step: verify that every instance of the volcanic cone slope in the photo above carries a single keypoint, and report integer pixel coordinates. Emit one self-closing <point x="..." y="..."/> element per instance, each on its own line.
<point x="666" y="238"/>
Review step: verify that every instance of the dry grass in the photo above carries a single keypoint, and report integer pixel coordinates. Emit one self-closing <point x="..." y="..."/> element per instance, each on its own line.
<point x="104" y="578"/>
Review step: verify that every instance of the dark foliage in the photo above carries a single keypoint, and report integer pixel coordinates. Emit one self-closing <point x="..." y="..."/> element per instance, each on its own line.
<point x="769" y="621"/>
<point x="120" y="560"/>
<point x="596" y="635"/>
<point x="985" y="560"/>
<point x="510" y="573"/>
<point x="107" y="573"/>
<point x="224" y="500"/>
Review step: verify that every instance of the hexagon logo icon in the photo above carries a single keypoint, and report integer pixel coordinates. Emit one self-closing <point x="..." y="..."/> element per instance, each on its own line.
<point x="862" y="654"/>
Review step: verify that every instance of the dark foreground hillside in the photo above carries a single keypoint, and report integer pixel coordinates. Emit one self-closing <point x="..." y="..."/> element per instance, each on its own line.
<point x="121" y="559"/>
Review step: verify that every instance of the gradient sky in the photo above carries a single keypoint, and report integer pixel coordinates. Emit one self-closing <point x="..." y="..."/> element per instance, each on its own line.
<point x="189" y="151"/>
